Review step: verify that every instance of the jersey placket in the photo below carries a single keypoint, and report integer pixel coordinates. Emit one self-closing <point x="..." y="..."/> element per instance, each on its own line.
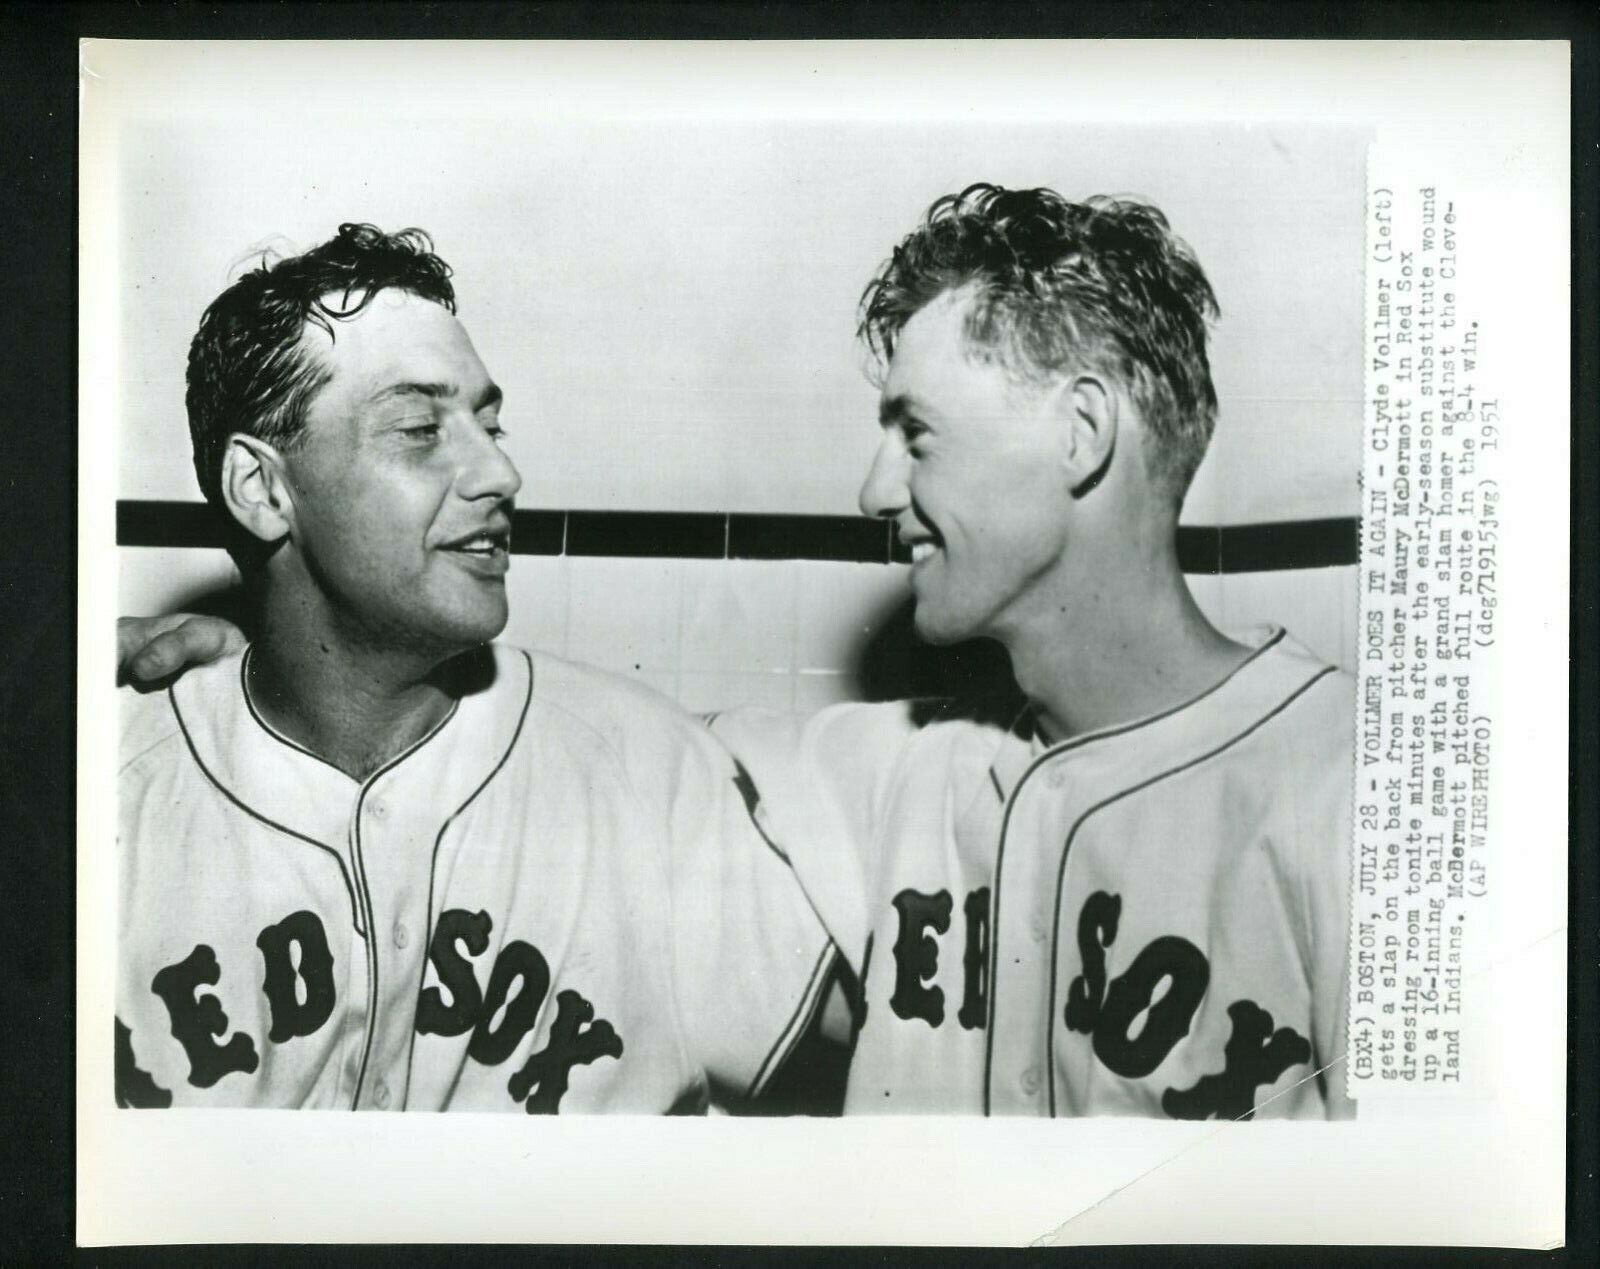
<point x="392" y="834"/>
<point x="1024" y="915"/>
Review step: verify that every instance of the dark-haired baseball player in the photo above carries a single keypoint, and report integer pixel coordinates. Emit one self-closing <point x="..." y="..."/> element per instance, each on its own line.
<point x="1129" y="895"/>
<point x="370" y="861"/>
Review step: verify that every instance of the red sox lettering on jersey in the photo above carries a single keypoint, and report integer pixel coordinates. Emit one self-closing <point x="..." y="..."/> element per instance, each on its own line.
<point x="555" y="902"/>
<point x="1148" y="920"/>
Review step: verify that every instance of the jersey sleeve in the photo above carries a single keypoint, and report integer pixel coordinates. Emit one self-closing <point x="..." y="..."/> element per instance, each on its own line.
<point x="751" y="955"/>
<point x="820" y="783"/>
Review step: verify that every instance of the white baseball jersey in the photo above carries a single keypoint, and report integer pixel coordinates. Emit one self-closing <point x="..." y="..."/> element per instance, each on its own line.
<point x="1147" y="920"/>
<point x="555" y="901"/>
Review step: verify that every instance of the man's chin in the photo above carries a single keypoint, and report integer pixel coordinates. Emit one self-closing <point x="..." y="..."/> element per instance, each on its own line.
<point x="473" y="629"/>
<point x="486" y="631"/>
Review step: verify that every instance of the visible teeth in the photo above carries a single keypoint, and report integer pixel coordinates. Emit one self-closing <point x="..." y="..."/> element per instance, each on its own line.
<point x="921" y="551"/>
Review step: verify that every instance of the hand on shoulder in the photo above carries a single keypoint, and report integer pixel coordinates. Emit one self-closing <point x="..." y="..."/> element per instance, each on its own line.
<point x="153" y="649"/>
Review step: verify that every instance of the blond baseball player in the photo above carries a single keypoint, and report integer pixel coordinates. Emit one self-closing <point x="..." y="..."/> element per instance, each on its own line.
<point x="1128" y="895"/>
<point x="370" y="862"/>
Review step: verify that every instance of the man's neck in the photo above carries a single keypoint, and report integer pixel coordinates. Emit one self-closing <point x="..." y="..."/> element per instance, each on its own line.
<point x="353" y="706"/>
<point x="1126" y="646"/>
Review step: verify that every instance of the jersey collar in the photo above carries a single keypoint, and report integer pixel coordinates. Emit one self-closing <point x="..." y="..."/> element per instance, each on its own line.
<point x="1278" y="667"/>
<point x="291" y="788"/>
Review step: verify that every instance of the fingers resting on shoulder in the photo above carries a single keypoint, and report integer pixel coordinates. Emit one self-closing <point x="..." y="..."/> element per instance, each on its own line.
<point x="152" y="648"/>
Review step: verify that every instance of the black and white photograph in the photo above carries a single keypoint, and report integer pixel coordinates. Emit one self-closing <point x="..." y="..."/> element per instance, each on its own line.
<point x="638" y="600"/>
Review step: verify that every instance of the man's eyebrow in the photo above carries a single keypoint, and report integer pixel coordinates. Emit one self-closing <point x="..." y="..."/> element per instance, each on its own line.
<point x="433" y="391"/>
<point x="490" y="396"/>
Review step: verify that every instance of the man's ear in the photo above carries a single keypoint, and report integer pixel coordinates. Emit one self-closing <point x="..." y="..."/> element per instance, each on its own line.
<point x="1090" y="412"/>
<point x="254" y="487"/>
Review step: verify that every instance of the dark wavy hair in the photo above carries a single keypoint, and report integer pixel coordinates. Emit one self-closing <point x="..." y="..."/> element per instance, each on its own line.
<point x="1057" y="286"/>
<point x="249" y="371"/>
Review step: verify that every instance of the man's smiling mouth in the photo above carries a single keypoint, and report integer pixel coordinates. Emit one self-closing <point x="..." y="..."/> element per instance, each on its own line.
<point x="483" y="544"/>
<point x="486" y="551"/>
<point x="922" y="543"/>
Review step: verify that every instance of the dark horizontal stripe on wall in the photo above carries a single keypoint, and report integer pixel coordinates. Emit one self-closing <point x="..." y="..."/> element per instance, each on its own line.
<point x="849" y="538"/>
<point x="538" y="532"/>
<point x="681" y="535"/>
<point x="1271" y="545"/>
<point x="168" y="524"/>
<point x="708" y="535"/>
<point x="1258" y="548"/>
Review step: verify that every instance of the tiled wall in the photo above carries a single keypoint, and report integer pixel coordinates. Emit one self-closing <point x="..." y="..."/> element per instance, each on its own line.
<point x="794" y="634"/>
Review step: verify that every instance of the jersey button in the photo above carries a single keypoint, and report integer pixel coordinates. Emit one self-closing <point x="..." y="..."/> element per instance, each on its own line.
<point x="402" y="936"/>
<point x="1030" y="1081"/>
<point x="380" y="1096"/>
<point x="1056" y="778"/>
<point x="1036" y="930"/>
<point x="377" y="810"/>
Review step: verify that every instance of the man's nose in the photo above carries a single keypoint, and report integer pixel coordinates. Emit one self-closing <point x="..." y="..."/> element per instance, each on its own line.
<point x="488" y="471"/>
<point x="884" y="492"/>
